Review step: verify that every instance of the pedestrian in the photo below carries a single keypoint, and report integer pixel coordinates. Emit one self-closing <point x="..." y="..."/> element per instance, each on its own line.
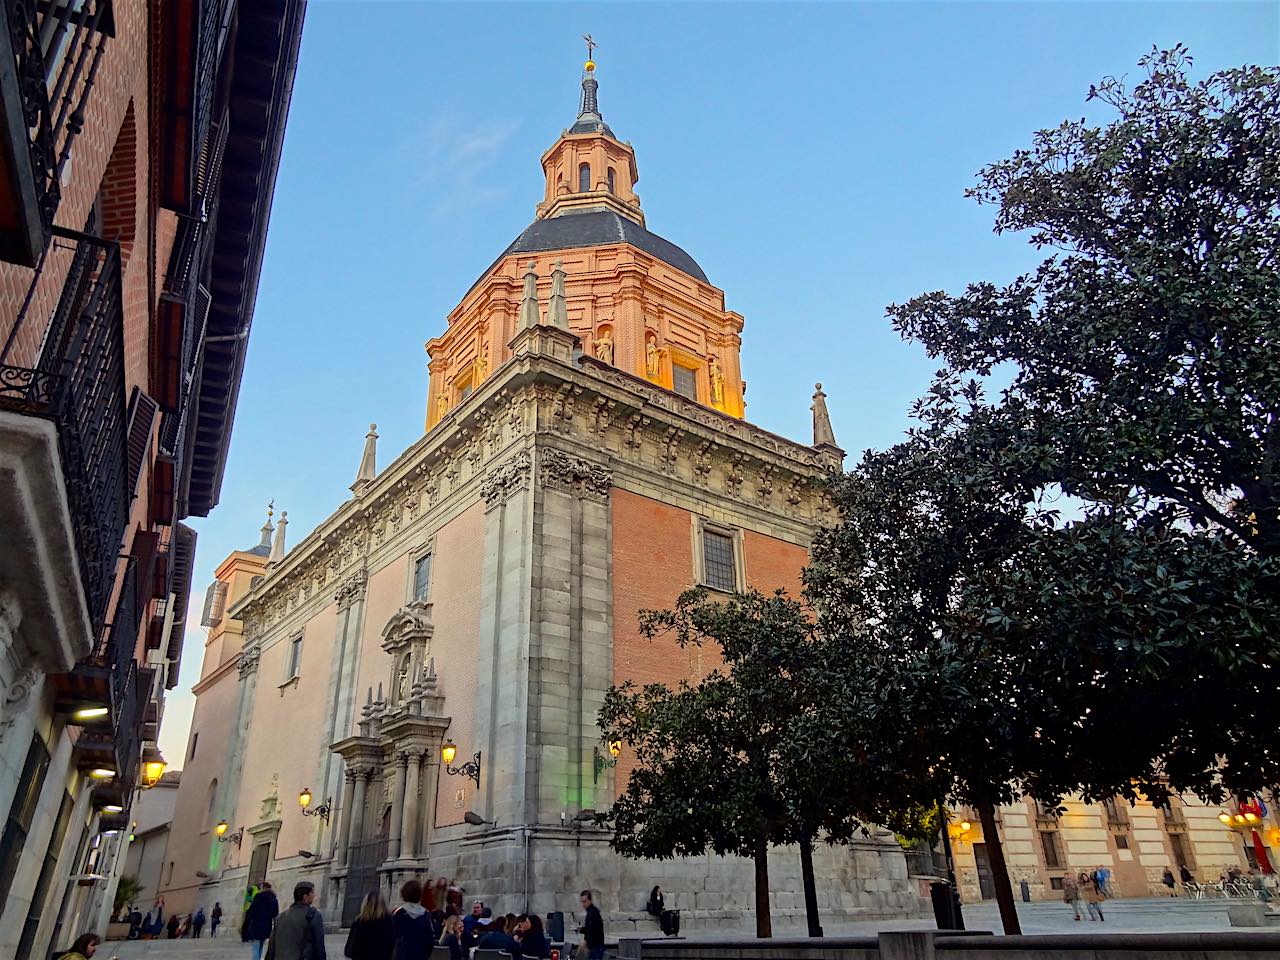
<point x="441" y="898"/>
<point x="1092" y="897"/>
<point x="495" y="936"/>
<point x="86" y="946"/>
<point x="1260" y="887"/>
<point x="299" y="931"/>
<point x="372" y="935"/>
<point x="454" y="897"/>
<point x="655" y="905"/>
<point x="1104" y="878"/>
<point x="412" y="924"/>
<point x="592" y="928"/>
<point x="1186" y="875"/>
<point x="259" y="918"/>
<point x="173" y="928"/>
<point x="533" y="940"/>
<point x="1071" y="893"/>
<point x="215" y="918"/>
<point x="469" y="924"/>
<point x="437" y="925"/>
<point x="146" y="926"/>
<point x="197" y="922"/>
<point x="1167" y="879"/>
<point x="453" y="937"/>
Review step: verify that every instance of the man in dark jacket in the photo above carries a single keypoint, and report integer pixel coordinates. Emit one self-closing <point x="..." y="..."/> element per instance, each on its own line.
<point x="592" y="927"/>
<point x="299" y="931"/>
<point x="259" y="918"/>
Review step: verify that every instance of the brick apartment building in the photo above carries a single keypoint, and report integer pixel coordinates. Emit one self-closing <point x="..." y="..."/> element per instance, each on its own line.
<point x="138" y="152"/>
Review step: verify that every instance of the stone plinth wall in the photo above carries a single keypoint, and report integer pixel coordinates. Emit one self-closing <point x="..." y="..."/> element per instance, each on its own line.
<point x="936" y="945"/>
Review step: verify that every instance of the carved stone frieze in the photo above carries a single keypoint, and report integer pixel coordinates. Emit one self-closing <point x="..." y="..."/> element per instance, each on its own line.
<point x="507" y="478"/>
<point x="560" y="471"/>
<point x="351" y="589"/>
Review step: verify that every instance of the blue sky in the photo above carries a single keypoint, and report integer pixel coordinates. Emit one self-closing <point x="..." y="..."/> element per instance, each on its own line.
<point x="811" y="156"/>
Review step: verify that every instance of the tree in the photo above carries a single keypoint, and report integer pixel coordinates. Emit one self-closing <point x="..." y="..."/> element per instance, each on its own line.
<point x="1005" y="647"/>
<point x="127" y="889"/>
<point x="738" y="761"/>
<point x="1143" y="350"/>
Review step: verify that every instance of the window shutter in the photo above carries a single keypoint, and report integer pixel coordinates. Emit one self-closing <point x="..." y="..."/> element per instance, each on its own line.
<point x="142" y="414"/>
<point x="215" y="604"/>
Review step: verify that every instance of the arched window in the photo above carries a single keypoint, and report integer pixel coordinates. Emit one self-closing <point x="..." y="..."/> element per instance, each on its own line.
<point x="584" y="178"/>
<point x="611" y="180"/>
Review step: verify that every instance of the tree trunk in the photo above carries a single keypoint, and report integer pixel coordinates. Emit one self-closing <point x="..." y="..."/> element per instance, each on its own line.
<point x="810" y="888"/>
<point x="764" y="925"/>
<point x="999" y="871"/>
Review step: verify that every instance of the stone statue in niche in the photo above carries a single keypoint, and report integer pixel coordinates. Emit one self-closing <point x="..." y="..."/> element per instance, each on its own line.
<point x="652" y="355"/>
<point x="402" y="680"/>
<point x="604" y="347"/>
<point x="442" y="405"/>
<point x="716" y="376"/>
<point x="482" y="362"/>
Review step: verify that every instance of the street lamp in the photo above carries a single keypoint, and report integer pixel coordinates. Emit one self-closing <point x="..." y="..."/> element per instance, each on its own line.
<point x="224" y="837"/>
<point x="470" y="769"/>
<point x="600" y="761"/>
<point x="322" y="811"/>
<point x="152" y="767"/>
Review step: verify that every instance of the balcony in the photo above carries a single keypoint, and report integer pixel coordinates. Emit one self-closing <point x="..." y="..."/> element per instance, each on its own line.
<point x="76" y="387"/>
<point x="66" y="463"/>
<point x="50" y="51"/>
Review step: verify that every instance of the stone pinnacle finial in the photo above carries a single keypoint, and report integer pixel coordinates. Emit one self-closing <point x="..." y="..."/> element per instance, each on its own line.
<point x="558" y="309"/>
<point x="529" y="305"/>
<point x="369" y="461"/>
<point x="277" y="548"/>
<point x="823" y="435"/>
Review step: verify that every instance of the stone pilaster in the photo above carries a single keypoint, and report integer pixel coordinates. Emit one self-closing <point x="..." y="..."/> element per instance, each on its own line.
<point x="398" y="778"/>
<point x="412" y="792"/>
<point x="347" y="812"/>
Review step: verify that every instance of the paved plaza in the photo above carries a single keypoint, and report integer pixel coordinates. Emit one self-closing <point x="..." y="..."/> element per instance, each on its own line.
<point x="1122" y="916"/>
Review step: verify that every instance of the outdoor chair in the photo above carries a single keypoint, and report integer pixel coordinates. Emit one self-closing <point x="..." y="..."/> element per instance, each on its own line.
<point x="440" y="953"/>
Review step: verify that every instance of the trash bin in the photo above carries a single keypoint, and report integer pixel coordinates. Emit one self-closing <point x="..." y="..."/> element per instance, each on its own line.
<point x="669" y="921"/>
<point x="1026" y="891"/>
<point x="943" y="905"/>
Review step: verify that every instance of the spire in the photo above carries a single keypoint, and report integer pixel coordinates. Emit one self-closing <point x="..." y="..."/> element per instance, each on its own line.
<point x="557" y="310"/>
<point x="589" y="118"/>
<point x="369" y="462"/>
<point x="267" y="527"/>
<point x="529" y="306"/>
<point x="823" y="435"/>
<point x="277" y="548"/>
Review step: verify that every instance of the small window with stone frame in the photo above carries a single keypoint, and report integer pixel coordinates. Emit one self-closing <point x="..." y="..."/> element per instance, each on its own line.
<point x="422" y="577"/>
<point x="719" y="565"/>
<point x="294" y="664"/>
<point x="684" y="381"/>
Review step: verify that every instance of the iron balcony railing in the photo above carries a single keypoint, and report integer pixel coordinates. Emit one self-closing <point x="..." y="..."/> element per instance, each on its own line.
<point x="57" y="46"/>
<point x="78" y="382"/>
<point x="121" y="658"/>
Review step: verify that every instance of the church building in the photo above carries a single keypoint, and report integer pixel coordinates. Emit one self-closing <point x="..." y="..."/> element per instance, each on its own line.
<point x="412" y="689"/>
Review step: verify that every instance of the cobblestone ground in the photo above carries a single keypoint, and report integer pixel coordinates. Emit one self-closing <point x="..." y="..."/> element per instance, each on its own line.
<point x="1122" y="916"/>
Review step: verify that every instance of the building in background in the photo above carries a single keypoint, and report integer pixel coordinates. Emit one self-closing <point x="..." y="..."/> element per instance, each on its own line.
<point x="585" y="457"/>
<point x="138" y="153"/>
<point x="152" y="816"/>
<point x="1136" y="842"/>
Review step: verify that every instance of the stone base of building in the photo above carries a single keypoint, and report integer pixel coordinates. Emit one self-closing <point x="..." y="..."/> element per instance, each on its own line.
<point x="545" y="870"/>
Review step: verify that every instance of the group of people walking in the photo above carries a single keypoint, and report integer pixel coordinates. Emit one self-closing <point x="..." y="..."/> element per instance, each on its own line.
<point x="1092" y="888"/>
<point x="411" y="931"/>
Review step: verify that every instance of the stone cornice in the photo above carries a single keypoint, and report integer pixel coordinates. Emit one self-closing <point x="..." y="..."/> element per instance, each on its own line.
<point x="481" y="449"/>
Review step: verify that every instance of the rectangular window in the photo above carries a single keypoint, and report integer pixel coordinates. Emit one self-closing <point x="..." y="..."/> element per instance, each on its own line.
<point x="1055" y="883"/>
<point x="295" y="657"/>
<point x="21" y="812"/>
<point x="464" y="391"/>
<point x="718" y="570"/>
<point x="1122" y="842"/>
<point x="195" y="738"/>
<point x="422" y="577"/>
<point x="47" y="869"/>
<point x="684" y="381"/>
<point x="1181" y="851"/>
<point x="1051" y="846"/>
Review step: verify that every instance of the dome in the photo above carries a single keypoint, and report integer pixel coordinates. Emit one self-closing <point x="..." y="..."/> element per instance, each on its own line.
<point x="597" y="228"/>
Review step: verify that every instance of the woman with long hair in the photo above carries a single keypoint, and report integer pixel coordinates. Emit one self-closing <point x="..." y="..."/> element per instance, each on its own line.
<point x="86" y="946"/>
<point x="533" y="941"/>
<point x="372" y="935"/>
<point x="452" y="937"/>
